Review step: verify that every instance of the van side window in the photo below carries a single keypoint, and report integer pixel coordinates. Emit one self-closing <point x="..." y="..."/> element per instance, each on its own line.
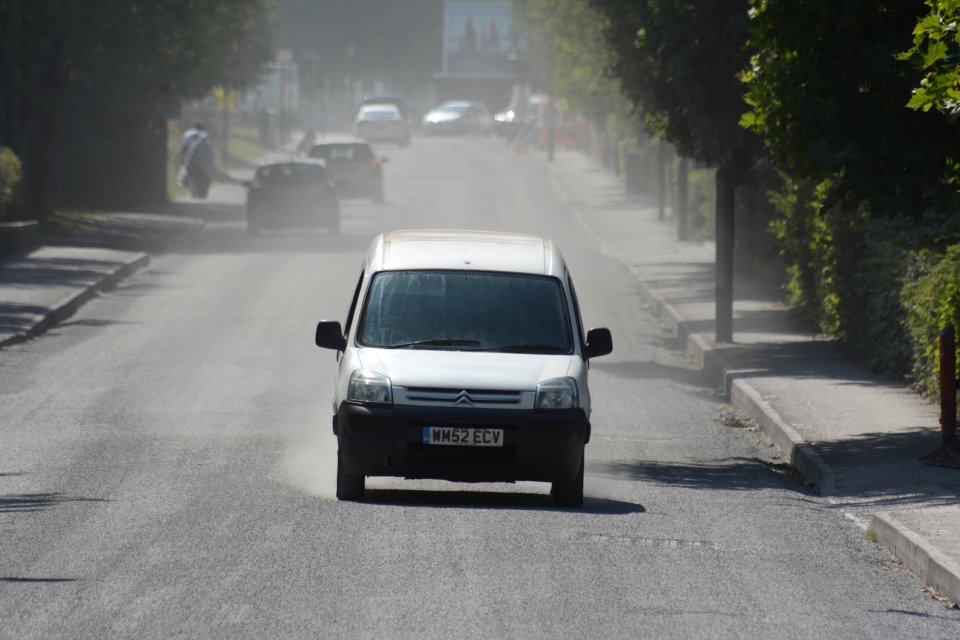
<point x="576" y="310"/>
<point x="353" y="306"/>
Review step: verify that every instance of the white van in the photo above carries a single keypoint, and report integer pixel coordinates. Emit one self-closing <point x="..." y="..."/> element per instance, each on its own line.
<point x="464" y="358"/>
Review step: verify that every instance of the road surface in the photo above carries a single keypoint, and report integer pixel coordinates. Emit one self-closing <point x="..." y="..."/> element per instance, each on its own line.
<point x="167" y="466"/>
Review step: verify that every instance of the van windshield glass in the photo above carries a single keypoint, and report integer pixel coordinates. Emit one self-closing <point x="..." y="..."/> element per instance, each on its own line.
<point x="466" y="310"/>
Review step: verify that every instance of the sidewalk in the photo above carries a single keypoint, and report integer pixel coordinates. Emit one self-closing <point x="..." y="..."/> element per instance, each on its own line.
<point x="50" y="282"/>
<point x="855" y="435"/>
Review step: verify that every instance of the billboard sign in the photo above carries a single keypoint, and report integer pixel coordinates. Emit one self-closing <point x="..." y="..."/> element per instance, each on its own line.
<point x="478" y="39"/>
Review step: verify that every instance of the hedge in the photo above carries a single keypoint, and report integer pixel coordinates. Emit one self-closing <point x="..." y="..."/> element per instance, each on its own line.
<point x="932" y="296"/>
<point x="10" y="176"/>
<point x="885" y="286"/>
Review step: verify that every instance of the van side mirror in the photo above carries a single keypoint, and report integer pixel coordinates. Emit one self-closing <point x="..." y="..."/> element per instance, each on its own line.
<point x="599" y="343"/>
<point x="330" y="335"/>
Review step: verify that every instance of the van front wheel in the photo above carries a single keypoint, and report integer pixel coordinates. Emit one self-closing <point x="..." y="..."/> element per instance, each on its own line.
<point x="569" y="493"/>
<point x="349" y="486"/>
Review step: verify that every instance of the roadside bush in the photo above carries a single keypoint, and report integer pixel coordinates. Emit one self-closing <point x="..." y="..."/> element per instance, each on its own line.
<point x="872" y="258"/>
<point x="932" y="298"/>
<point x="702" y="203"/>
<point x="845" y="272"/>
<point x="799" y="233"/>
<point x="10" y="176"/>
<point x="755" y="249"/>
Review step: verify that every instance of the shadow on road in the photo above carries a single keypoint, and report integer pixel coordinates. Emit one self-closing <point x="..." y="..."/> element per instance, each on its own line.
<point x="31" y="502"/>
<point x="495" y="500"/>
<point x="735" y="474"/>
<point x="18" y="580"/>
<point x="651" y="370"/>
<point x="233" y="239"/>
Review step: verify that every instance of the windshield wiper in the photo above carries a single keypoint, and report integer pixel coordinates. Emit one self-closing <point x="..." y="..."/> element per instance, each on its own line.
<point x="532" y="346"/>
<point x="436" y="342"/>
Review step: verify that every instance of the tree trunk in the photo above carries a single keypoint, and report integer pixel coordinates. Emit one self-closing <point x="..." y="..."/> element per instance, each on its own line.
<point x="160" y="163"/>
<point x="726" y="190"/>
<point x="662" y="180"/>
<point x="683" y="199"/>
<point x="40" y="159"/>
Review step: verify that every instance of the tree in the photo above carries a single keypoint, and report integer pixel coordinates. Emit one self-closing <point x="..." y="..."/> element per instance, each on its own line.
<point x="83" y="85"/>
<point x="828" y="96"/>
<point x="570" y="33"/>
<point x="936" y="40"/>
<point x="680" y="63"/>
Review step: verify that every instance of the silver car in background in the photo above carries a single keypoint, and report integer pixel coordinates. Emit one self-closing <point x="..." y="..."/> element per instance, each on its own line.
<point x="382" y="123"/>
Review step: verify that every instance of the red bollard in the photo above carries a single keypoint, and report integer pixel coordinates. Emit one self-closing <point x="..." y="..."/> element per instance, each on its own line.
<point x="948" y="454"/>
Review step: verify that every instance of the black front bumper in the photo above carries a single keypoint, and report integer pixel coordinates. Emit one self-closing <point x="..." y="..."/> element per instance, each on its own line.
<point x="388" y="441"/>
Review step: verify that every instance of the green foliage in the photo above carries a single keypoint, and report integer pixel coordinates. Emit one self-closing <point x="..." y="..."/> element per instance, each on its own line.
<point x="679" y="61"/>
<point x="10" y="175"/>
<point x="934" y="36"/>
<point x="870" y="198"/>
<point x="568" y="49"/>
<point x="84" y="85"/>
<point x="702" y="204"/>
<point x="803" y="237"/>
<point x="880" y="284"/>
<point x="827" y="94"/>
<point x="932" y="299"/>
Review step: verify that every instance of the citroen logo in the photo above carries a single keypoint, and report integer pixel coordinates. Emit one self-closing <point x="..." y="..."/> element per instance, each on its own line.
<point x="463" y="398"/>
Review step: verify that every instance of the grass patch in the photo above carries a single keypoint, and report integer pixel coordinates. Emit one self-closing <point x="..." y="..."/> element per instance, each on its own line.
<point x="871" y="536"/>
<point x="243" y="145"/>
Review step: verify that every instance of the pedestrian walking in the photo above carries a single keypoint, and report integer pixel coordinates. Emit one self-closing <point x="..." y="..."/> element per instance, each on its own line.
<point x="197" y="167"/>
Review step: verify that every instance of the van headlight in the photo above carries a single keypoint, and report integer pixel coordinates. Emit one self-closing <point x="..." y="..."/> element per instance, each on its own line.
<point x="558" y="393"/>
<point x="369" y="387"/>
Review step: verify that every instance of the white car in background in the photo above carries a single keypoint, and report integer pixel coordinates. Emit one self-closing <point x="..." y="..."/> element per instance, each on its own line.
<point x="463" y="358"/>
<point x="458" y="117"/>
<point x="382" y="123"/>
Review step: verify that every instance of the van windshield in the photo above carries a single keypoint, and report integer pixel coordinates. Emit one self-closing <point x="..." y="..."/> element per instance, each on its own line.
<point x="466" y="310"/>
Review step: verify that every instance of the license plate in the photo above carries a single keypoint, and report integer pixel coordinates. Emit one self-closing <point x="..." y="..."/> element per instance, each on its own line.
<point x="463" y="436"/>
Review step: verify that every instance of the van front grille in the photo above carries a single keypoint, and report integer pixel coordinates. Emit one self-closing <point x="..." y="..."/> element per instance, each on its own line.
<point x="464" y="397"/>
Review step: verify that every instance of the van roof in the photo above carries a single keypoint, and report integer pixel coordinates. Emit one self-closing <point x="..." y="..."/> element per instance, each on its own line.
<point x="465" y="250"/>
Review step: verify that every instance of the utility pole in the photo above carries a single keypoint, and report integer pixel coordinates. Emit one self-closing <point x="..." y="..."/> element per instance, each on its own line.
<point x="724" y="275"/>
<point x="225" y="129"/>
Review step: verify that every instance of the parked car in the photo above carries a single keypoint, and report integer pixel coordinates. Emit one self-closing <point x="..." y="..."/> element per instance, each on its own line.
<point x="463" y="358"/>
<point x="382" y="123"/>
<point x="294" y="193"/>
<point x="353" y="167"/>
<point x="458" y="117"/>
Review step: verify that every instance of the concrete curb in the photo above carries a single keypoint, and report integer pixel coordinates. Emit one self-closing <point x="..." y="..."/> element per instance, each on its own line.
<point x="930" y="564"/>
<point x="69" y="305"/>
<point x="745" y="397"/>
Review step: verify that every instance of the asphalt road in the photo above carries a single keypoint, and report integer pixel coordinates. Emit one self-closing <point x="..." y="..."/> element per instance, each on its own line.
<point x="167" y="467"/>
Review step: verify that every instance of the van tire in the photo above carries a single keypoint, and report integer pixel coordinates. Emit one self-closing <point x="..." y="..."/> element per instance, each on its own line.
<point x="349" y="486"/>
<point x="569" y="493"/>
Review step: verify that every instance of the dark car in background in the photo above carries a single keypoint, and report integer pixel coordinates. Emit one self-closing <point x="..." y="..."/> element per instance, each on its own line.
<point x="292" y="194"/>
<point x="458" y="117"/>
<point x="353" y="167"/>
